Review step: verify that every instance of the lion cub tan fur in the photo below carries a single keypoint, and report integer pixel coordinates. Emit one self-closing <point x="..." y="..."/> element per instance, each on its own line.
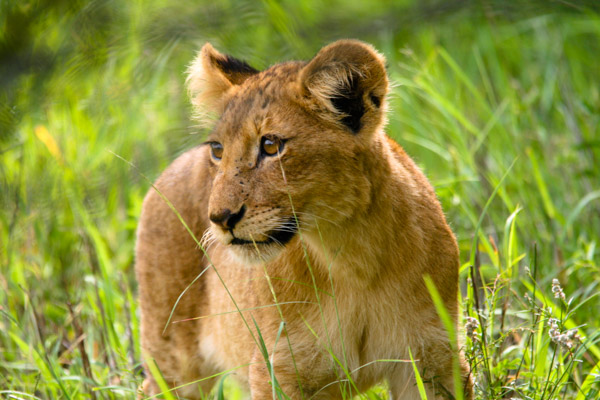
<point x="309" y="215"/>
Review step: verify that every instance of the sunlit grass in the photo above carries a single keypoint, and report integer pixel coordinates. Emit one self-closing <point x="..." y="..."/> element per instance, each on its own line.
<point x="484" y="104"/>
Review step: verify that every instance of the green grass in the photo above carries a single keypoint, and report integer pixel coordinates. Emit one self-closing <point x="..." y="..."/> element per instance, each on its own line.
<point x="500" y="106"/>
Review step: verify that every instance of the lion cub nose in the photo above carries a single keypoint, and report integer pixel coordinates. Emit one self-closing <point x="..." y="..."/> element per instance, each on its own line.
<point x="225" y="219"/>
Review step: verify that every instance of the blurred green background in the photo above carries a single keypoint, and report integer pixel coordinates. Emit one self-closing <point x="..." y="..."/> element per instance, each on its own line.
<point x="498" y="101"/>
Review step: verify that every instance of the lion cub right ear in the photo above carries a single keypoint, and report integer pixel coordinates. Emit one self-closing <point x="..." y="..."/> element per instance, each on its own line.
<point x="211" y="76"/>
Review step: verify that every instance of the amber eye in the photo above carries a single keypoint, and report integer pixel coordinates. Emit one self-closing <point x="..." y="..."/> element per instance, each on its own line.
<point x="271" y="145"/>
<point x="216" y="150"/>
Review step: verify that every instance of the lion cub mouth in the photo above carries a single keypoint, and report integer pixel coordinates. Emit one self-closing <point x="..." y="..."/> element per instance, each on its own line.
<point x="280" y="236"/>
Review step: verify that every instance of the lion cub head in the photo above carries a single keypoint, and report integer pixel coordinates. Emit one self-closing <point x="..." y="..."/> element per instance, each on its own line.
<point x="291" y="146"/>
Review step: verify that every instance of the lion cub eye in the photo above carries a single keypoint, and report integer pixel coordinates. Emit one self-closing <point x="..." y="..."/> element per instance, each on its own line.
<point x="216" y="150"/>
<point x="271" y="145"/>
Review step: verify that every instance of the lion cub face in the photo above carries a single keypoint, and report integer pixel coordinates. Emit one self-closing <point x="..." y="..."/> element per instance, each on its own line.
<point x="287" y="153"/>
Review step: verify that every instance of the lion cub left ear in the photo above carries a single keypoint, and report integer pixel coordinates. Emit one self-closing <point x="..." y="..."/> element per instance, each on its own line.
<point x="349" y="80"/>
<point x="211" y="77"/>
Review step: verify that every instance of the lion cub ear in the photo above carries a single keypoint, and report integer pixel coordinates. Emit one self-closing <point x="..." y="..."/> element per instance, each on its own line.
<point x="348" y="78"/>
<point x="211" y="75"/>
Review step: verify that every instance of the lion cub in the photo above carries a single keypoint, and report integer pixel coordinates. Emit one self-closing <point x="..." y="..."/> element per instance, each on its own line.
<point x="318" y="231"/>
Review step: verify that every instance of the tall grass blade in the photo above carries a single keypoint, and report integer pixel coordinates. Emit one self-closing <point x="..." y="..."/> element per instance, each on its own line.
<point x="450" y="330"/>
<point x="418" y="378"/>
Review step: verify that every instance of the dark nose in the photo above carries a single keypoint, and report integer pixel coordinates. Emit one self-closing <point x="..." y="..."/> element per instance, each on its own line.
<point x="226" y="219"/>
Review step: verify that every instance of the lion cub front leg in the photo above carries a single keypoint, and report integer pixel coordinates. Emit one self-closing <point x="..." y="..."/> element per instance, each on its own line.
<point x="260" y="379"/>
<point x="289" y="378"/>
<point x="435" y="362"/>
<point x="296" y="379"/>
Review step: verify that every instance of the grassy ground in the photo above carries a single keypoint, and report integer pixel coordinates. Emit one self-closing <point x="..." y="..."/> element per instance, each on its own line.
<point x="499" y="104"/>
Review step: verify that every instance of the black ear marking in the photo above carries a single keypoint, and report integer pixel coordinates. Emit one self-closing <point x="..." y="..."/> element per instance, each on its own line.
<point x="349" y="102"/>
<point x="232" y="65"/>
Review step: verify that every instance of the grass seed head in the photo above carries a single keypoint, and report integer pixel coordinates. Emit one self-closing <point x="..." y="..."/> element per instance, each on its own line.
<point x="557" y="290"/>
<point x="568" y="339"/>
<point x="471" y="328"/>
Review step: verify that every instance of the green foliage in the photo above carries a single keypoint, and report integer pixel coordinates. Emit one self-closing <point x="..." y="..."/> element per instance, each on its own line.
<point x="499" y="103"/>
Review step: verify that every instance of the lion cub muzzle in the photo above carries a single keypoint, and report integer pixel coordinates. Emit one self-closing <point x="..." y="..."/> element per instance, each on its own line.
<point x="253" y="233"/>
<point x="281" y="234"/>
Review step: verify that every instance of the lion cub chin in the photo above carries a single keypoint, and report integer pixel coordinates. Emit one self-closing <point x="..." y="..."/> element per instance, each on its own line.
<point x="317" y="231"/>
